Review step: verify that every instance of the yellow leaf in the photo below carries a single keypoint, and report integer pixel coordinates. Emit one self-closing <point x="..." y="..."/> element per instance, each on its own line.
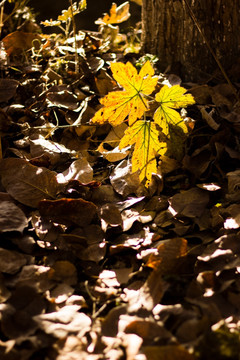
<point x="131" y="102"/>
<point x="82" y="5"/>
<point x="144" y="134"/>
<point x="139" y="2"/>
<point x="117" y="15"/>
<point x="170" y="99"/>
<point x="72" y="10"/>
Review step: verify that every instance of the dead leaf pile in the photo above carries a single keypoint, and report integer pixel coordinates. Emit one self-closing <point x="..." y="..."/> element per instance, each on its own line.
<point x="92" y="264"/>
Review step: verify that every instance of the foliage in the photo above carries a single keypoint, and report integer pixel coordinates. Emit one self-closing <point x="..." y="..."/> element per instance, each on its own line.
<point x="132" y="103"/>
<point x="92" y="264"/>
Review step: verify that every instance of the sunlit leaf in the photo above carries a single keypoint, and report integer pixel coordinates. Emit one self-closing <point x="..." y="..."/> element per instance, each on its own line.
<point x="171" y="98"/>
<point x="51" y="22"/>
<point x="144" y="134"/>
<point x="118" y="14"/>
<point x="131" y="102"/>
<point x="72" y="10"/>
<point x="82" y="5"/>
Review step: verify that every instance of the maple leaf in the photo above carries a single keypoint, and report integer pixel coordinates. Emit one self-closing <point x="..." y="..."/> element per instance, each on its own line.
<point x="132" y="101"/>
<point x="144" y="134"/>
<point x="170" y="99"/>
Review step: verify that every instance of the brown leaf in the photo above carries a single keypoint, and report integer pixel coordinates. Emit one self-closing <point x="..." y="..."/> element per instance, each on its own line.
<point x="170" y="254"/>
<point x="79" y="170"/>
<point x="27" y="183"/>
<point x="63" y="271"/>
<point x="190" y="203"/>
<point x="12" y="217"/>
<point x="8" y="89"/>
<point x="63" y="99"/>
<point x="167" y="352"/>
<point x="63" y="322"/>
<point x="19" y="41"/>
<point x="68" y="211"/>
<point x="11" y="261"/>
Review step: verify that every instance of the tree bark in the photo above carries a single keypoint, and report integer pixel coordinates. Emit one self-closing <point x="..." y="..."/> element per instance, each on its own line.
<point x="170" y="33"/>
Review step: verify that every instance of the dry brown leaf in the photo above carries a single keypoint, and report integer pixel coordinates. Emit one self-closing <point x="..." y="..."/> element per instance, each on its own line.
<point x="190" y="203"/>
<point x="11" y="261"/>
<point x="18" y="41"/>
<point x="167" y="352"/>
<point x="68" y="211"/>
<point x="8" y="89"/>
<point x="12" y="218"/>
<point x="27" y="183"/>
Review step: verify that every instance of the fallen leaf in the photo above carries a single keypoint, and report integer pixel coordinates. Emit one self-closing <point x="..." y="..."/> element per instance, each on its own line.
<point x="190" y="203"/>
<point x="11" y="261"/>
<point x="167" y="352"/>
<point x="12" y="218"/>
<point x="8" y="89"/>
<point x="27" y="183"/>
<point x="18" y="41"/>
<point x="68" y="211"/>
<point x="64" y="322"/>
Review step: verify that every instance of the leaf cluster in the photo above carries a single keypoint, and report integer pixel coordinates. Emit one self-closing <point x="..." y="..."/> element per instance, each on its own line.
<point x="133" y="103"/>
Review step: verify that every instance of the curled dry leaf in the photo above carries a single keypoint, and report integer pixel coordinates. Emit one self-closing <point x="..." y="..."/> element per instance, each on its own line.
<point x="27" y="183"/>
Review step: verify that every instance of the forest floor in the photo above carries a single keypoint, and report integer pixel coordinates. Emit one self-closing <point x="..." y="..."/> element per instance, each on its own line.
<point x="93" y="264"/>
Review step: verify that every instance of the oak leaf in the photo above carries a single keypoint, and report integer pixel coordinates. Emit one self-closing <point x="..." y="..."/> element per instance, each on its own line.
<point x="171" y="98"/>
<point x="132" y="102"/>
<point x="144" y="134"/>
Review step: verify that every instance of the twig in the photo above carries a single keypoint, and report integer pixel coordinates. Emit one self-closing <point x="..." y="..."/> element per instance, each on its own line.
<point x="75" y="38"/>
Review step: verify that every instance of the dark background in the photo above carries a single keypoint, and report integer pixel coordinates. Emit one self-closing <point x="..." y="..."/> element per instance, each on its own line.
<point x="50" y="9"/>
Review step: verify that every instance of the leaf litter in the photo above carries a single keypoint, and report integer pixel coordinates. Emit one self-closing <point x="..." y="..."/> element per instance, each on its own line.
<point x="93" y="264"/>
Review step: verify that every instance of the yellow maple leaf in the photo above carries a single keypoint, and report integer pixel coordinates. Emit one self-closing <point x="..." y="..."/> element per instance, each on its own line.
<point x="131" y="102"/>
<point x="144" y="134"/>
<point x="171" y="98"/>
<point x="118" y="14"/>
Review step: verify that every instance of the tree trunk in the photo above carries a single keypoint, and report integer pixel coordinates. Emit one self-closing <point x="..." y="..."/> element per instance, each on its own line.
<point x="170" y="33"/>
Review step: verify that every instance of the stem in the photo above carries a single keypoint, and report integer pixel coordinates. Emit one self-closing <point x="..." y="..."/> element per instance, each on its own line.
<point x="75" y="39"/>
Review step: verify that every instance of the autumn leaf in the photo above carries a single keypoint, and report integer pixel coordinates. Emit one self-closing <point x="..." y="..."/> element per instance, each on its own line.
<point x="170" y="99"/>
<point x="144" y="134"/>
<point x="18" y="42"/>
<point x="117" y="15"/>
<point x="131" y="102"/>
<point x="72" y="10"/>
